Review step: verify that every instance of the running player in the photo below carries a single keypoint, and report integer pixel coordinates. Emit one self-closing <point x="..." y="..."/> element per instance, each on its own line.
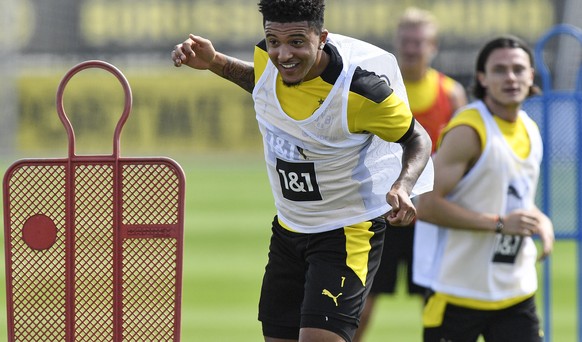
<point x="343" y="153"/>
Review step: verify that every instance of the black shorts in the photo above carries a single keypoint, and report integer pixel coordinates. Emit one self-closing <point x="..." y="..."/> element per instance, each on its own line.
<point x="517" y="323"/>
<point x="318" y="280"/>
<point x="396" y="261"/>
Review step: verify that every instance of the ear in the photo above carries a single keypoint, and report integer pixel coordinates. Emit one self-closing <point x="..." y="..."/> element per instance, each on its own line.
<point x="531" y="79"/>
<point x="433" y="49"/>
<point x="323" y="38"/>
<point x="481" y="79"/>
<point x="433" y="54"/>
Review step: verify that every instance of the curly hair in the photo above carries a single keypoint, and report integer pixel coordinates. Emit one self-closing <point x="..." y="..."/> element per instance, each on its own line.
<point x="290" y="11"/>
<point x="507" y="41"/>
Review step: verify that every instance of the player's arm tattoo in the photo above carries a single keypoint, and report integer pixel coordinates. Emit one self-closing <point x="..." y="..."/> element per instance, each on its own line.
<point x="240" y="73"/>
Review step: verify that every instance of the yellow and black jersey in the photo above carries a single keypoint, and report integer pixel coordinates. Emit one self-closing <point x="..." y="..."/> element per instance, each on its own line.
<point x="330" y="142"/>
<point x="372" y="105"/>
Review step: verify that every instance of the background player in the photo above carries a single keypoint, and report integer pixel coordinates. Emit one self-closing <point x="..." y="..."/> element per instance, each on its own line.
<point x="477" y="254"/>
<point x="433" y="98"/>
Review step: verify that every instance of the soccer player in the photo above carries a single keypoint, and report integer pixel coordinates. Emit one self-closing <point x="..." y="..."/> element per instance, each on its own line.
<point x="478" y="256"/>
<point x="433" y="98"/>
<point x="344" y="155"/>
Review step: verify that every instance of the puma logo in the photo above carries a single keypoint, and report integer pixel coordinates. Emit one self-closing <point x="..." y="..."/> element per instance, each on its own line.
<point x="512" y="191"/>
<point x="327" y="293"/>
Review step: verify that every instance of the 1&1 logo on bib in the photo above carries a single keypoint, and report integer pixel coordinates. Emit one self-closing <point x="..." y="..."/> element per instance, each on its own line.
<point x="298" y="181"/>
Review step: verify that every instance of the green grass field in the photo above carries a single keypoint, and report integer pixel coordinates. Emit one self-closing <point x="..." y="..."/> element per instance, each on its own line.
<point x="228" y="214"/>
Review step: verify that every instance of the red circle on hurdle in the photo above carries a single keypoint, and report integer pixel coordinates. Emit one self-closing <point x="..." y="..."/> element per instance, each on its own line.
<point x="39" y="232"/>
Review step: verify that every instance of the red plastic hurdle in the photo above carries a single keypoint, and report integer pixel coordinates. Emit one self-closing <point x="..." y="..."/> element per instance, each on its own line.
<point x="94" y="243"/>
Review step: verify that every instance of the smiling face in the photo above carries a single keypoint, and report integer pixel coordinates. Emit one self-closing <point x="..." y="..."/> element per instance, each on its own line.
<point x="507" y="78"/>
<point x="296" y="50"/>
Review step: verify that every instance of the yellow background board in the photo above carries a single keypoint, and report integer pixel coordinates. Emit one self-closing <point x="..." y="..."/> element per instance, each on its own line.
<point x="170" y="112"/>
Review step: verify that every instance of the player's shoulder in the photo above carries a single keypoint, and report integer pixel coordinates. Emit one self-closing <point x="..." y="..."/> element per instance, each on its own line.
<point x="260" y="58"/>
<point x="467" y="115"/>
<point x="261" y="50"/>
<point x="365" y="82"/>
<point x="448" y="83"/>
<point x="369" y="85"/>
<point x="262" y="45"/>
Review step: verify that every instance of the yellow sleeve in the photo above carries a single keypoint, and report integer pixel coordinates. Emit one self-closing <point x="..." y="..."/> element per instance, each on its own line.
<point x="467" y="117"/>
<point x="390" y="119"/>
<point x="260" y="59"/>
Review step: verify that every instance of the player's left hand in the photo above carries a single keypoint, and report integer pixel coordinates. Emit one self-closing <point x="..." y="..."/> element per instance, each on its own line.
<point x="529" y="222"/>
<point x="545" y="230"/>
<point x="403" y="211"/>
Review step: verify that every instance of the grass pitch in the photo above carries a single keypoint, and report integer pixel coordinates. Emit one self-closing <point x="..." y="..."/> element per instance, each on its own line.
<point x="228" y="215"/>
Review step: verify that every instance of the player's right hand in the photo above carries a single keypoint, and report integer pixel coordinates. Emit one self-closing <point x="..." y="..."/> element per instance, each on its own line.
<point x="195" y="52"/>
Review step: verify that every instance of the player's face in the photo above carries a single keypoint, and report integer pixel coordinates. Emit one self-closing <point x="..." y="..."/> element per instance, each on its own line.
<point x="415" y="47"/>
<point x="508" y="76"/>
<point x="294" y="50"/>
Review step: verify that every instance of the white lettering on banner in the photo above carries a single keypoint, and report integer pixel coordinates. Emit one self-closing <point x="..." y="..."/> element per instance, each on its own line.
<point x="104" y="22"/>
<point x="17" y="24"/>
<point x="124" y="23"/>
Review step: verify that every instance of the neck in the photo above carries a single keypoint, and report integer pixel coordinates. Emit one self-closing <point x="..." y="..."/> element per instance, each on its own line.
<point x="507" y="112"/>
<point x="414" y="74"/>
<point x="319" y="66"/>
